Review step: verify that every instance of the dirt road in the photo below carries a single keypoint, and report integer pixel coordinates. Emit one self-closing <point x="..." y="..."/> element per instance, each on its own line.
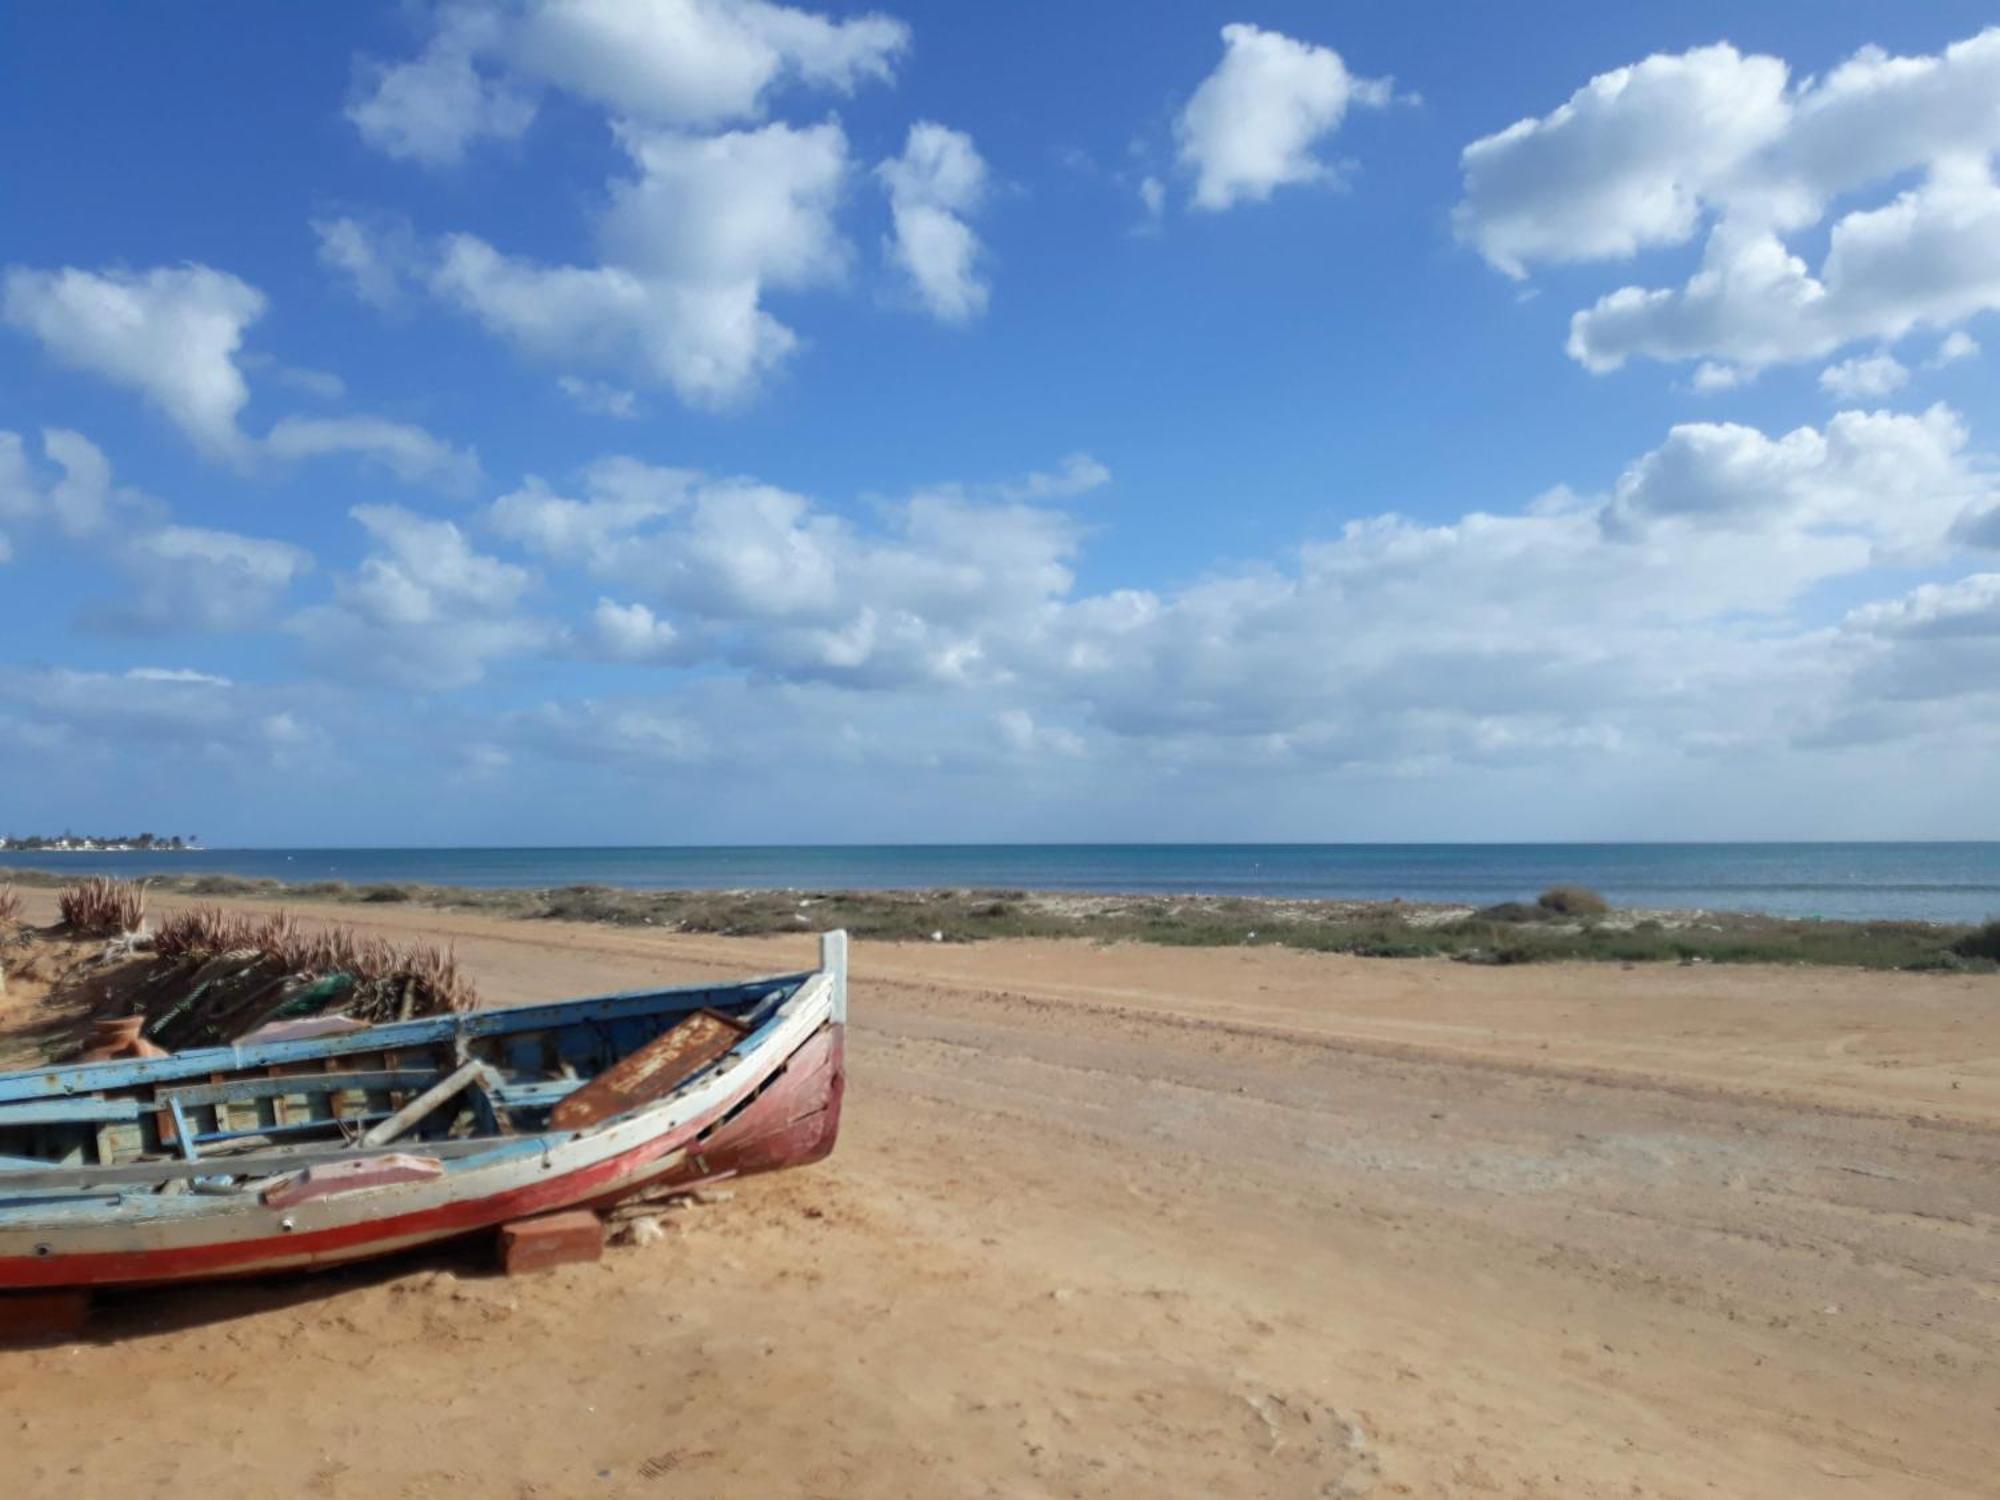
<point x="1148" y="1221"/>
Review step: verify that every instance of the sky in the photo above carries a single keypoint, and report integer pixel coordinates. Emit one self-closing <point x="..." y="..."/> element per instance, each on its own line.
<point x="694" y="421"/>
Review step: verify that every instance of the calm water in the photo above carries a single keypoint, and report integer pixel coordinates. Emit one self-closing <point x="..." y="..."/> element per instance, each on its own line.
<point x="1942" y="882"/>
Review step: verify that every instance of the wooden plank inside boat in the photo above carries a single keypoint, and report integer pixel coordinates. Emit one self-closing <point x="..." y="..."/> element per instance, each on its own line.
<point x="652" y="1072"/>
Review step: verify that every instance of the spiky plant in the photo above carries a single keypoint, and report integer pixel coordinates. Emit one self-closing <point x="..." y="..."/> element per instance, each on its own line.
<point x="385" y="982"/>
<point x="10" y="906"/>
<point x="203" y="932"/>
<point x="100" y="907"/>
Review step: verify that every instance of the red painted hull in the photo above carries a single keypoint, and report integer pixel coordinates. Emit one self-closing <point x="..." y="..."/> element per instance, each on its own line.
<point x="792" y="1123"/>
<point x="788" y="1119"/>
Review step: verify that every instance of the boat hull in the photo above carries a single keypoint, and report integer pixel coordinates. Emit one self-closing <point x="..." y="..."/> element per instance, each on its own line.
<point x="784" y="1112"/>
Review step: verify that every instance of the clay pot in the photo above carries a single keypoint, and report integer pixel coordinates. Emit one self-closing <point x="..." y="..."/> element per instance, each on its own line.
<point x="119" y="1037"/>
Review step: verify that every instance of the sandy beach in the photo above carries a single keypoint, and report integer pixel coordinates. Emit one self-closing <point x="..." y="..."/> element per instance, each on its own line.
<point x="1127" y="1220"/>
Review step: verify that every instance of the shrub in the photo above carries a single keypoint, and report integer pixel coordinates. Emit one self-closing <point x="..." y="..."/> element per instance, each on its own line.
<point x="226" y="885"/>
<point x="1981" y="942"/>
<point x="1513" y="911"/>
<point x="385" y="893"/>
<point x="103" y="908"/>
<point x="1573" y="901"/>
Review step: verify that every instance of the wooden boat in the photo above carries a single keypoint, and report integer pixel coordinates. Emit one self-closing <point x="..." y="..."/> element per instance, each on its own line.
<point x="303" y="1151"/>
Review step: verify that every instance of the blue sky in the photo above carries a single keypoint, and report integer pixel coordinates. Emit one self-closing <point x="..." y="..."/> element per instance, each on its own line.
<point x="693" y="421"/>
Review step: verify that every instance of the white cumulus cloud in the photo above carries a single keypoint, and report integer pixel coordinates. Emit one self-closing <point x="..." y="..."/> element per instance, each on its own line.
<point x="172" y="334"/>
<point x="405" y="450"/>
<point x="376" y="260"/>
<point x="87" y="715"/>
<point x="599" y="397"/>
<point x="174" y="577"/>
<point x="1892" y="485"/>
<point x="1078" y="474"/>
<point x="700" y="62"/>
<point x="681" y="63"/>
<point x="764" y="578"/>
<point x="633" y="633"/>
<point x="1940" y="641"/>
<point x="1664" y="616"/>
<point x="1712" y="142"/>
<point x="690" y="245"/>
<point x="1956" y="346"/>
<point x="81" y="499"/>
<point x="1864" y="378"/>
<point x="1626" y="163"/>
<point x="193" y="578"/>
<point x="424" y="610"/>
<point x="933" y="187"/>
<point x="430" y="108"/>
<point x="1254" y="124"/>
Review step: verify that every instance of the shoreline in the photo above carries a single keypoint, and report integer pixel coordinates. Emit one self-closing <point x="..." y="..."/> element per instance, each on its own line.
<point x="1508" y="933"/>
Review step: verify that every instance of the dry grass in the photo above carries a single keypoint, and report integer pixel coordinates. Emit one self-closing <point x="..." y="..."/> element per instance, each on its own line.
<point x="10" y="906"/>
<point x="99" y="907"/>
<point x="420" y="979"/>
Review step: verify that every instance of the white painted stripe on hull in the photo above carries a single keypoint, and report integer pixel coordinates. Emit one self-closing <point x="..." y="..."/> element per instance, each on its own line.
<point x="368" y="1249"/>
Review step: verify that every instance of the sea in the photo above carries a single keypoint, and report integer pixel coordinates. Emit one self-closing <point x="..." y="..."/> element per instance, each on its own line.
<point x="1945" y="882"/>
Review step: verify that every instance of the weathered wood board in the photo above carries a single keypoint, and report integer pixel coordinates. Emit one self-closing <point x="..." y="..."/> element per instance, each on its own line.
<point x="650" y="1073"/>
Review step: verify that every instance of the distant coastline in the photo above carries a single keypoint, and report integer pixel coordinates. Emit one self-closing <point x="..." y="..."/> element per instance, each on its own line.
<point x="73" y="843"/>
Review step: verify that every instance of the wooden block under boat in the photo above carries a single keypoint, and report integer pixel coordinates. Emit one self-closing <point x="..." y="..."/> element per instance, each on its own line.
<point x="652" y="1071"/>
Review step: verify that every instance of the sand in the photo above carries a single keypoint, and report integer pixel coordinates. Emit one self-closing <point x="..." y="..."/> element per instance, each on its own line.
<point x="1145" y="1221"/>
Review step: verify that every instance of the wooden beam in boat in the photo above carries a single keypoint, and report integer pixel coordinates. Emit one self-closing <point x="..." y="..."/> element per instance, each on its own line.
<point x="183" y="1131"/>
<point x="88" y="1111"/>
<point x="421" y="1106"/>
<point x="543" y="1094"/>
<point x="297" y="1083"/>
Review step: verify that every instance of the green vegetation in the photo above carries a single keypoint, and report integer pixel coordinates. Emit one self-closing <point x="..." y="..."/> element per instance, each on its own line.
<point x="1563" y="924"/>
<point x="1572" y="901"/>
<point x="1981" y="942"/>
